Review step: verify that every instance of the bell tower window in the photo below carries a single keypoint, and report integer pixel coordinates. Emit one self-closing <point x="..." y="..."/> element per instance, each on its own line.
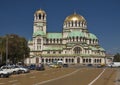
<point x="39" y="16"/>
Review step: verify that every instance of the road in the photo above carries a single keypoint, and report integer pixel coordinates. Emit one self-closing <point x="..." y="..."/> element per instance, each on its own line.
<point x="85" y="77"/>
<point x="64" y="76"/>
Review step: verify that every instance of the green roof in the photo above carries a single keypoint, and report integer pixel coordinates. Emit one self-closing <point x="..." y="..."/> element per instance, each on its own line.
<point x="101" y="49"/>
<point x="93" y="48"/>
<point x="70" y="44"/>
<point x="53" y="48"/>
<point x="54" y="35"/>
<point x="92" y="36"/>
<point x="96" y="48"/>
<point x="38" y="33"/>
<point x="76" y="34"/>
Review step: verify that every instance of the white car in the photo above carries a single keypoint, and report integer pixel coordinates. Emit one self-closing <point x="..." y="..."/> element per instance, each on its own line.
<point x="10" y="69"/>
<point x="22" y="69"/>
<point x="4" y="73"/>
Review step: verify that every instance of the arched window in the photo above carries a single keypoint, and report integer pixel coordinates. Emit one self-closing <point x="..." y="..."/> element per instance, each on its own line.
<point x="72" y="60"/>
<point x="83" y="60"/>
<point x="76" y="23"/>
<point x="52" y="60"/>
<point x="66" y="60"/>
<point x="77" y="38"/>
<point x="79" y="23"/>
<point x="54" y="40"/>
<point x="95" y="60"/>
<point x="39" y="16"/>
<point x="48" y="52"/>
<point x="57" y="40"/>
<point x="80" y="38"/>
<point x="70" y="39"/>
<point x="90" y="41"/>
<point x="42" y="60"/>
<point x="50" y="40"/>
<point x="77" y="50"/>
<point x="54" y="52"/>
<point x="46" y="60"/>
<point x="89" y="60"/>
<point x="59" y="52"/>
<point x="60" y="40"/>
<point x="86" y="60"/>
<point x="49" y="60"/>
<point x="73" y="39"/>
<point x="38" y="41"/>
<point x="72" y="23"/>
<point x="100" y="60"/>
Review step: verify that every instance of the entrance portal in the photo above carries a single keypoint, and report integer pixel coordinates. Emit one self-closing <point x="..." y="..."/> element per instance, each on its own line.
<point x="78" y="60"/>
<point x="37" y="60"/>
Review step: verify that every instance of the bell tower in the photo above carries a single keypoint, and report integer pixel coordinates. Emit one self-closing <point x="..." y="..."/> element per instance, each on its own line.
<point x="39" y="21"/>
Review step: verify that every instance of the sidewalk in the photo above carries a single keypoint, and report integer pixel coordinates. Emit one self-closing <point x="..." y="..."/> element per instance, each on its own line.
<point x="118" y="77"/>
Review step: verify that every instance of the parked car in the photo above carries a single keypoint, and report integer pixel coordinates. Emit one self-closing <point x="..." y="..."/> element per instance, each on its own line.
<point x="114" y="64"/>
<point x="56" y="66"/>
<point x="32" y="67"/>
<point x="4" y="74"/>
<point x="40" y="67"/>
<point x="65" y="65"/>
<point x="100" y="65"/>
<point x="89" y="65"/>
<point x="10" y="69"/>
<point x="22" y="69"/>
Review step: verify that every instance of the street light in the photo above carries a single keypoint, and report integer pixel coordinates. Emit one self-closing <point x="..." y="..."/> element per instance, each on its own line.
<point x="7" y="39"/>
<point x="6" y="50"/>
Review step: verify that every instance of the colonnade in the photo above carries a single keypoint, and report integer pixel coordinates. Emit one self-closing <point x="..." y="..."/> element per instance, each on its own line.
<point x="68" y="60"/>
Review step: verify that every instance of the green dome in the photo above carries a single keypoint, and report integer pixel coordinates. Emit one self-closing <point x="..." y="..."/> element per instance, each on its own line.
<point x="38" y="33"/>
<point x="76" y="34"/>
<point x="92" y="36"/>
<point x="101" y="49"/>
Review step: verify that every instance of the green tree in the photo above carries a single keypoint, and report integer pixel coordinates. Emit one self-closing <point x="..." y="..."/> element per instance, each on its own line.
<point x="2" y="50"/>
<point x="116" y="57"/>
<point x="17" y="48"/>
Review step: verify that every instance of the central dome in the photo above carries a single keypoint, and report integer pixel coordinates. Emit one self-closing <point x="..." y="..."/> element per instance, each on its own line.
<point x="74" y="17"/>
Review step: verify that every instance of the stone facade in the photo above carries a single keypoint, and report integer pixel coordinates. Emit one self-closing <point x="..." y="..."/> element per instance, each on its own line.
<point x="75" y="45"/>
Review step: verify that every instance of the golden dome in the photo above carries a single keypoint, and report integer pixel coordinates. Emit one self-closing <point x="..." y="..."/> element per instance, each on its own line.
<point x="74" y="17"/>
<point x="40" y="11"/>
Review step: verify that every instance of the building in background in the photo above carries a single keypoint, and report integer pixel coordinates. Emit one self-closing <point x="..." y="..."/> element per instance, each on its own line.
<point x="74" y="45"/>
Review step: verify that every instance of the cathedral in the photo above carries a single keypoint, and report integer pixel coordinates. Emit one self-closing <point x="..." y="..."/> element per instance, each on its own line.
<point x="74" y="45"/>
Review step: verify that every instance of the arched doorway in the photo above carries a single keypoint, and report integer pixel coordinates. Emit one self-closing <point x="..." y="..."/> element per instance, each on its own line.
<point x="78" y="60"/>
<point x="37" y="60"/>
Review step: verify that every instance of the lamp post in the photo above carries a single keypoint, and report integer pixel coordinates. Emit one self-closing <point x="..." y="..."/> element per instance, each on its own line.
<point x="6" y="50"/>
<point x="7" y="47"/>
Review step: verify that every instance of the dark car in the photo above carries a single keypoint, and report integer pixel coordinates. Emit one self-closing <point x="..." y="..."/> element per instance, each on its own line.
<point x="40" y="67"/>
<point x="32" y="67"/>
<point x="89" y="65"/>
<point x="65" y="65"/>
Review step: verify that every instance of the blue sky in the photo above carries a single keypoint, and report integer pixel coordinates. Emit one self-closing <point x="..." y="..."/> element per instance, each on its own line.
<point x="102" y="16"/>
